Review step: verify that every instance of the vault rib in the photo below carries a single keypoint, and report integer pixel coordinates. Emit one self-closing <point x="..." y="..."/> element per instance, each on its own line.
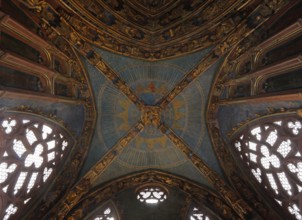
<point x="72" y="197"/>
<point x="66" y="30"/>
<point x="96" y="60"/>
<point x="232" y="39"/>
<point x="229" y="195"/>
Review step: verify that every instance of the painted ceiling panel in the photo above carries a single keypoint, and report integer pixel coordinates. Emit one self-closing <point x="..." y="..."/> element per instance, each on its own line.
<point x="119" y="63"/>
<point x="116" y="115"/>
<point x="151" y="81"/>
<point x="190" y="124"/>
<point x="74" y="121"/>
<point x="232" y="115"/>
<point x="151" y="149"/>
<point x="151" y="110"/>
<point x="116" y="169"/>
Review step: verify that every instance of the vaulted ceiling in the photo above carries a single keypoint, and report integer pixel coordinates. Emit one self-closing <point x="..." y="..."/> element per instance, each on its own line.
<point x="154" y="30"/>
<point x="149" y="75"/>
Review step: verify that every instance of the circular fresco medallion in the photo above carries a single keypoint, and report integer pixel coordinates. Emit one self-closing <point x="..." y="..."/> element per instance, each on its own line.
<point x="151" y="148"/>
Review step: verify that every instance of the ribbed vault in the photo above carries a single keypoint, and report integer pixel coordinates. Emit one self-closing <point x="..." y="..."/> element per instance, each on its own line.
<point x="151" y="84"/>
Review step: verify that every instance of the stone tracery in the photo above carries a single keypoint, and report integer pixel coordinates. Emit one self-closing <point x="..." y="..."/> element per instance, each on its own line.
<point x="270" y="149"/>
<point x="198" y="214"/>
<point x="151" y="194"/>
<point x="65" y="28"/>
<point x="106" y="212"/>
<point x="32" y="149"/>
<point x="268" y="159"/>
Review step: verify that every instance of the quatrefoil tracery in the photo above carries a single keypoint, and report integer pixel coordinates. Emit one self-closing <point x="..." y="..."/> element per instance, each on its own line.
<point x="32" y="149"/>
<point x="271" y="150"/>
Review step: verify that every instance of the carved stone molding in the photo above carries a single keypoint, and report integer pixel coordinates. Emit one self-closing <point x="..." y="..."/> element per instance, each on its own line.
<point x="116" y="33"/>
<point x="240" y="182"/>
<point x="60" y="23"/>
<point x="199" y="194"/>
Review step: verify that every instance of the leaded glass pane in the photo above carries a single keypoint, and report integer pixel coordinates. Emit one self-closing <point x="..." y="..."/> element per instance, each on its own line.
<point x="29" y="154"/>
<point x="271" y="150"/>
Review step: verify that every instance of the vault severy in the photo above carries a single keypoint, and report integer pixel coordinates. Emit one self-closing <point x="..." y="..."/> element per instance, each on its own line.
<point x="81" y="36"/>
<point x="150" y="82"/>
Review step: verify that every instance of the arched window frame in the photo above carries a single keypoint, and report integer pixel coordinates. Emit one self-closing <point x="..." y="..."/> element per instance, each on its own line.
<point x="33" y="150"/>
<point x="47" y="72"/>
<point x="196" y="212"/>
<point x="152" y="193"/>
<point x="27" y="39"/>
<point x="106" y="211"/>
<point x="43" y="79"/>
<point x="255" y="79"/>
<point x="261" y="148"/>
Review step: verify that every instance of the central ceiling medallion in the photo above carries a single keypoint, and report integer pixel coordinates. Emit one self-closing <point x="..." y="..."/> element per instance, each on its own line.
<point x="151" y="115"/>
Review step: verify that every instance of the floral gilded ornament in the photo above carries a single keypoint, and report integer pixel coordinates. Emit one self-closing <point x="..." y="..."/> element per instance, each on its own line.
<point x="271" y="150"/>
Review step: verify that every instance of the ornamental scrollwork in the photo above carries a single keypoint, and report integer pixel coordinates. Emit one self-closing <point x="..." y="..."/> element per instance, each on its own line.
<point x="197" y="193"/>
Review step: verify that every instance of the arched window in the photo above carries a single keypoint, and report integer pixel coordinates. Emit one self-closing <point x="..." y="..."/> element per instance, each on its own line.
<point x="271" y="149"/>
<point x="10" y="78"/>
<point x="151" y="194"/>
<point x="106" y="212"/>
<point x="31" y="150"/>
<point x="282" y="82"/>
<point x="12" y="44"/>
<point x="199" y="214"/>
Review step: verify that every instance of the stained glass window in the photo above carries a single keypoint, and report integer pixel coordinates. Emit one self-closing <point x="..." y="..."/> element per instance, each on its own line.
<point x="152" y="194"/>
<point x="106" y="215"/>
<point x="31" y="151"/>
<point x="272" y="151"/>
<point x="106" y="212"/>
<point x="197" y="214"/>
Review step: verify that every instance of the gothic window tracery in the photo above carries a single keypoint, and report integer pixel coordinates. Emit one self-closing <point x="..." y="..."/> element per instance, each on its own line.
<point x="106" y="215"/>
<point x="106" y="212"/>
<point x="31" y="151"/>
<point x="151" y="194"/>
<point x="197" y="214"/>
<point x="271" y="151"/>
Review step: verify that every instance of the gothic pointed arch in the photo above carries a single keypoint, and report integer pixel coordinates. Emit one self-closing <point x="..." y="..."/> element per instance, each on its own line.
<point x="126" y="189"/>
<point x="248" y="87"/>
<point x="270" y="150"/>
<point x="197" y="212"/>
<point x="106" y="211"/>
<point x="33" y="148"/>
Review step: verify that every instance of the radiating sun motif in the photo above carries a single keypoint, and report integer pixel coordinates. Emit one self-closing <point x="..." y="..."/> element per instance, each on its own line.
<point x="151" y="147"/>
<point x="123" y="115"/>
